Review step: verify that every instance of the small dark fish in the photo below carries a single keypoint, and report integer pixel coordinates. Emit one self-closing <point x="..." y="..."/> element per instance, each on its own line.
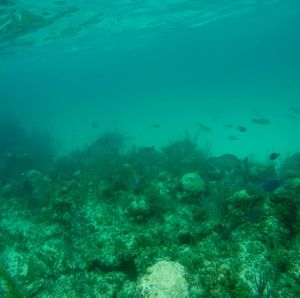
<point x="95" y="125"/>
<point x="274" y="156"/>
<point x="232" y="138"/>
<point x="242" y="128"/>
<point x="156" y="125"/>
<point x="261" y="121"/>
<point x="273" y="184"/>
<point x="204" y="128"/>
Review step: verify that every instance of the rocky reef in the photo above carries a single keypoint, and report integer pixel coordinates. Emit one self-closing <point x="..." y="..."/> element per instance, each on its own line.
<point x="113" y="222"/>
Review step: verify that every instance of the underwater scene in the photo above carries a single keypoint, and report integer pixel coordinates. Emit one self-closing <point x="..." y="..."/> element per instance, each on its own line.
<point x="150" y="149"/>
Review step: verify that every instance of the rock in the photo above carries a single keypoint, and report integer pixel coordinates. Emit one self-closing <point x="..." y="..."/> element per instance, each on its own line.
<point x="295" y="184"/>
<point x="164" y="279"/>
<point x="193" y="183"/>
<point x="139" y="210"/>
<point x="241" y="195"/>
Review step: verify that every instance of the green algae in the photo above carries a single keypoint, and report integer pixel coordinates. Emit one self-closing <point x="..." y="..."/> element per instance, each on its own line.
<point x="9" y="287"/>
<point x="113" y="212"/>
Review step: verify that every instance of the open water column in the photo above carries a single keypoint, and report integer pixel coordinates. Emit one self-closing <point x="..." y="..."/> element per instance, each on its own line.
<point x="149" y="148"/>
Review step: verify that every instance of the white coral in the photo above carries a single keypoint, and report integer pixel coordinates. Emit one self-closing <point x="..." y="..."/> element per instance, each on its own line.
<point x="164" y="279"/>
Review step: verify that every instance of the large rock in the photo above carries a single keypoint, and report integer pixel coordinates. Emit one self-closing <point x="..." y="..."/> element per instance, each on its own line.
<point x="192" y="183"/>
<point x="165" y="279"/>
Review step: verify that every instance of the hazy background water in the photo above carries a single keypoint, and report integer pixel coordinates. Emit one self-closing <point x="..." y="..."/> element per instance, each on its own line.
<point x="237" y="62"/>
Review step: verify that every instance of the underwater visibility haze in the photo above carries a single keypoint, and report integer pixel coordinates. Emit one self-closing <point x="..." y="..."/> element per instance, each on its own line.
<point x="149" y="148"/>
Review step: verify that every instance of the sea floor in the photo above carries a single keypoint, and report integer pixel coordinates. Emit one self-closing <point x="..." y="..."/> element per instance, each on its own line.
<point x="90" y="223"/>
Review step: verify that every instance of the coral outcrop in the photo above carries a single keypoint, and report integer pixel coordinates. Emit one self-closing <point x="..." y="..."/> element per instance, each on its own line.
<point x="164" y="279"/>
<point x="192" y="183"/>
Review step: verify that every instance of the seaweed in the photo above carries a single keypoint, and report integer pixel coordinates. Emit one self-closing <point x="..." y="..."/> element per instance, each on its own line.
<point x="181" y="157"/>
<point x="261" y="282"/>
<point x="9" y="288"/>
<point x="113" y="211"/>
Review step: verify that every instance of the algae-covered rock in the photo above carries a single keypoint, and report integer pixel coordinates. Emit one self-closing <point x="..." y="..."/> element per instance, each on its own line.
<point x="14" y="263"/>
<point x="139" y="210"/>
<point x="192" y="183"/>
<point x="241" y="195"/>
<point x="164" y="279"/>
<point x="13" y="274"/>
<point x="295" y="184"/>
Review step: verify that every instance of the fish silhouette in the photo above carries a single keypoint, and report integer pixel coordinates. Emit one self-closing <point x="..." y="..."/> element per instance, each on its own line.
<point x="261" y="121"/>
<point x="274" y="156"/>
<point x="273" y="184"/>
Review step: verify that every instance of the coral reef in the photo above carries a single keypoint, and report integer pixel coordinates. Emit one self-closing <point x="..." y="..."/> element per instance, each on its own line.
<point x="108" y="221"/>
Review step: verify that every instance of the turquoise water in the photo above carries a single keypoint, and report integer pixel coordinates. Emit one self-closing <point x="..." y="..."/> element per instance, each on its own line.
<point x="150" y="148"/>
<point x="130" y="65"/>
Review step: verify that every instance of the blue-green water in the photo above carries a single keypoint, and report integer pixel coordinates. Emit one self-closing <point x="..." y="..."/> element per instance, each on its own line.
<point x="132" y="64"/>
<point x="150" y="148"/>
